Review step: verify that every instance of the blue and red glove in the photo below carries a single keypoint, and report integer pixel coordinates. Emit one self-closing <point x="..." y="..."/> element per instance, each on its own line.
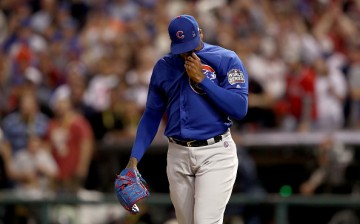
<point x="130" y="187"/>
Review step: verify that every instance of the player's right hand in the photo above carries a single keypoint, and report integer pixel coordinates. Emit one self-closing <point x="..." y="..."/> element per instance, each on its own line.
<point x="193" y="68"/>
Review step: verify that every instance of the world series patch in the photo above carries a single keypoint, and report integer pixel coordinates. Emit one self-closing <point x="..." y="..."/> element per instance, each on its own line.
<point x="235" y="76"/>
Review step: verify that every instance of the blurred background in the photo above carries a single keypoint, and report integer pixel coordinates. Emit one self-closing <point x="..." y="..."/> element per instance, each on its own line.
<point x="73" y="83"/>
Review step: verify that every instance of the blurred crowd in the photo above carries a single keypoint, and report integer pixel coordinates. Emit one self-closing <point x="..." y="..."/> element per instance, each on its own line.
<point x="75" y="72"/>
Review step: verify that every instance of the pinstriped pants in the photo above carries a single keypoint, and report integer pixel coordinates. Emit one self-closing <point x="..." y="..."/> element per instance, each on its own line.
<point x="201" y="180"/>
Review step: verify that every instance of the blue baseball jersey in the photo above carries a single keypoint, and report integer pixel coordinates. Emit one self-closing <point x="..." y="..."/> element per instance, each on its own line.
<point x="195" y="111"/>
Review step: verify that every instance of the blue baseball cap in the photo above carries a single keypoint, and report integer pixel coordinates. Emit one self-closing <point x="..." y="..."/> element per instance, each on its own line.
<point x="184" y="33"/>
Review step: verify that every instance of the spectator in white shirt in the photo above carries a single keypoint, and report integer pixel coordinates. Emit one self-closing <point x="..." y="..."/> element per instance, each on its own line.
<point x="330" y="93"/>
<point x="33" y="168"/>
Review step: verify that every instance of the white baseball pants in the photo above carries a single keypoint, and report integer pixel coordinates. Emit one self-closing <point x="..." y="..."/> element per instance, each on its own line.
<point x="201" y="180"/>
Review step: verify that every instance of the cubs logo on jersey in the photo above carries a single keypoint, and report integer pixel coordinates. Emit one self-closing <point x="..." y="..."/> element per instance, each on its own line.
<point x="209" y="72"/>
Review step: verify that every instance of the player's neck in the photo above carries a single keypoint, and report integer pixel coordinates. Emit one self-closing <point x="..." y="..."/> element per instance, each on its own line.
<point x="201" y="45"/>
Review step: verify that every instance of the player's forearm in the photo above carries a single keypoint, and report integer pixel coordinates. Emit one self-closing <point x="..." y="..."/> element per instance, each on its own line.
<point x="132" y="163"/>
<point x="231" y="103"/>
<point x="146" y="132"/>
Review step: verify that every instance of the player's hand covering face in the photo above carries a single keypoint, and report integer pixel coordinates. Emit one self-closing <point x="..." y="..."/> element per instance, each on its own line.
<point x="193" y="67"/>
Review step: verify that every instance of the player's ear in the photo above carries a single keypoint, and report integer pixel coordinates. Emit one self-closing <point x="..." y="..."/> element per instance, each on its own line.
<point x="201" y="34"/>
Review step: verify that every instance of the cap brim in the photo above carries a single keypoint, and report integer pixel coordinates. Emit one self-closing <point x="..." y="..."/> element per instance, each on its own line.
<point x="180" y="48"/>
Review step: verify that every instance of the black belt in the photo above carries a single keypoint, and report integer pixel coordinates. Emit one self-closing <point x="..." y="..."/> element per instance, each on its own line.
<point x="196" y="143"/>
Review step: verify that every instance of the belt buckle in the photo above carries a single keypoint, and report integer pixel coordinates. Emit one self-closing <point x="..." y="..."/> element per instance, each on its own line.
<point x="189" y="143"/>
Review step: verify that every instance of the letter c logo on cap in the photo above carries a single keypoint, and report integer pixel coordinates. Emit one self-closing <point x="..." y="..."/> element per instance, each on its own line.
<point x="180" y="34"/>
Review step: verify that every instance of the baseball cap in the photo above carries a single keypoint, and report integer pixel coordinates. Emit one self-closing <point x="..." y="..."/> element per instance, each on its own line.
<point x="184" y="33"/>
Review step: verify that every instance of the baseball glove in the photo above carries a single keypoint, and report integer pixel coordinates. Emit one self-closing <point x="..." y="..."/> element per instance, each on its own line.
<point x="130" y="187"/>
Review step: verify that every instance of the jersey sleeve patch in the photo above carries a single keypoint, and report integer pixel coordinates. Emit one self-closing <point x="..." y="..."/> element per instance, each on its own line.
<point x="235" y="76"/>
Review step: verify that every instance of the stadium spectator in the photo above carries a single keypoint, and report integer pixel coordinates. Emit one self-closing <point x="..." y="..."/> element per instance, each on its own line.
<point x="269" y="69"/>
<point x="99" y="32"/>
<point x="333" y="29"/>
<point x="138" y="78"/>
<point x="32" y="84"/>
<point x="30" y="172"/>
<point x="28" y="120"/>
<point x="5" y="88"/>
<point x="33" y="169"/>
<point x="330" y="93"/>
<point x="123" y="10"/>
<point x="51" y="76"/>
<point x="328" y="177"/>
<point x="76" y="85"/>
<point x="300" y="97"/>
<point x="97" y="95"/>
<point x="332" y="159"/>
<point x="354" y="84"/>
<point x="266" y="84"/>
<point x="42" y="19"/>
<point x="71" y="141"/>
<point x="5" y="155"/>
<point x="3" y="27"/>
<point x="119" y="120"/>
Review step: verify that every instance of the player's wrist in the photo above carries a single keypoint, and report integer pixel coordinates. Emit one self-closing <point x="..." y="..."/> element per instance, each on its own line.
<point x="132" y="163"/>
<point x="198" y="78"/>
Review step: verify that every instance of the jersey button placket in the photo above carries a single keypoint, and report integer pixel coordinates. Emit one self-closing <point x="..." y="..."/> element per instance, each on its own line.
<point x="183" y="113"/>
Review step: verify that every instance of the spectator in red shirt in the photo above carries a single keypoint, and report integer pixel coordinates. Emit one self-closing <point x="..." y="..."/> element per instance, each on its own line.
<point x="71" y="140"/>
<point x="301" y="95"/>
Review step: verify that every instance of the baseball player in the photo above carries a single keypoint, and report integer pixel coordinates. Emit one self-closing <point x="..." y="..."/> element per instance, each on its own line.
<point x="200" y="87"/>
